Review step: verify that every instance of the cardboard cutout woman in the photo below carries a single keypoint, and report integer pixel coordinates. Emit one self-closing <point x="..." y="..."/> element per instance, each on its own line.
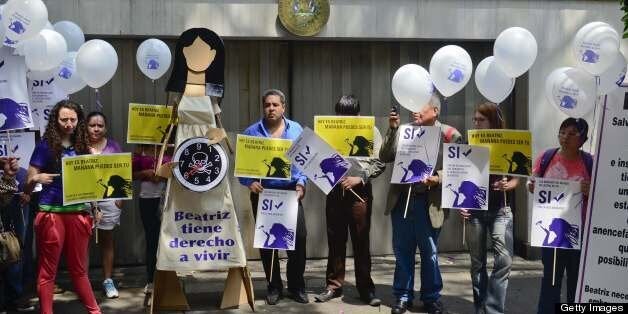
<point x="200" y="231"/>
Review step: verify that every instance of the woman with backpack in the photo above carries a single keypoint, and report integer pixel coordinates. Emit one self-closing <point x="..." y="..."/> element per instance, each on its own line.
<point x="567" y="162"/>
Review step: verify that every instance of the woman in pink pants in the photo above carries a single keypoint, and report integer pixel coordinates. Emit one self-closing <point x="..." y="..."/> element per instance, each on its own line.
<point x="61" y="228"/>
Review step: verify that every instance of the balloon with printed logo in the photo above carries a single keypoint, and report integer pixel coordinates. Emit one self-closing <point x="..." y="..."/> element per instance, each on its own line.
<point x="23" y="19"/>
<point x="595" y="47"/>
<point x="450" y="69"/>
<point x="66" y="77"/>
<point x="515" y="50"/>
<point x="492" y="82"/>
<point x="72" y="33"/>
<point x="96" y="62"/>
<point x="571" y="90"/>
<point x="153" y="58"/>
<point x="612" y="78"/>
<point x="45" y="51"/>
<point x="412" y="87"/>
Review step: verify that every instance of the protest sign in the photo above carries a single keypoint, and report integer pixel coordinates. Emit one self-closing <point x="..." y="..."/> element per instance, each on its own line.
<point x="351" y="136"/>
<point x="317" y="160"/>
<point x="15" y="112"/>
<point x="276" y="222"/>
<point x="262" y="157"/>
<point x="89" y="178"/>
<point x="556" y="214"/>
<point x="511" y="150"/>
<point x="18" y="144"/>
<point x="466" y="178"/>
<point x="147" y="124"/>
<point x="417" y="153"/>
<point x="604" y="257"/>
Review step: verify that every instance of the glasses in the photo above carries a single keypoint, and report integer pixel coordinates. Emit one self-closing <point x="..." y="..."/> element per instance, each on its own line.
<point x="478" y="120"/>
<point x="568" y="134"/>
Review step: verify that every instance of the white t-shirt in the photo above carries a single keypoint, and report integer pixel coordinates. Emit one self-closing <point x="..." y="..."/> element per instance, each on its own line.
<point x="150" y="189"/>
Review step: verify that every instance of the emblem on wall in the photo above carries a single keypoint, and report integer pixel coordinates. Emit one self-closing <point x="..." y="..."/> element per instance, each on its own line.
<point x="304" y="17"/>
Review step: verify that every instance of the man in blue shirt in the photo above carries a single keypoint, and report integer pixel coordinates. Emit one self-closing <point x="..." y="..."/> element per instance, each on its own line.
<point x="275" y="125"/>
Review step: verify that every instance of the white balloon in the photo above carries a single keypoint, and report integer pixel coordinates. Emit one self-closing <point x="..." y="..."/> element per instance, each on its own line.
<point x="66" y="77"/>
<point x="23" y="19"/>
<point x="571" y="90"/>
<point x="450" y="69"/>
<point x="612" y="78"/>
<point x="492" y="82"/>
<point x="45" y="51"/>
<point x="515" y="50"/>
<point x="72" y="33"/>
<point x="412" y="87"/>
<point x="595" y="47"/>
<point x="153" y="58"/>
<point x="96" y="62"/>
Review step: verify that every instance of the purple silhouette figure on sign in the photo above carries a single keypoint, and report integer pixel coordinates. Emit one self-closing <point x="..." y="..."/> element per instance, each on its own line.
<point x="567" y="235"/>
<point x="13" y="115"/>
<point x="334" y="165"/>
<point x="8" y="41"/>
<point x="568" y="102"/>
<point x="474" y="196"/>
<point x="455" y="75"/>
<point x="283" y="238"/>
<point x="152" y="64"/>
<point x="620" y="80"/>
<point x="65" y="73"/>
<point x="419" y="169"/>
<point x="17" y="27"/>
<point x="589" y="56"/>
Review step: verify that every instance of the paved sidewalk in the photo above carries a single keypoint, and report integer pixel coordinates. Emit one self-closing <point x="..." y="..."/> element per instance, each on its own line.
<point x="204" y="289"/>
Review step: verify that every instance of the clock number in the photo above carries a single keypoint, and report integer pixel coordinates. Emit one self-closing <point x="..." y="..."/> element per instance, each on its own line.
<point x="196" y="180"/>
<point x="208" y="179"/>
<point x="198" y="146"/>
<point x="186" y="152"/>
<point x="217" y="158"/>
<point x="216" y="170"/>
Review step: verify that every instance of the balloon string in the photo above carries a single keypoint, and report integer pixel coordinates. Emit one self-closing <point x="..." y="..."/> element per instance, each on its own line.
<point x="500" y="115"/>
<point x="597" y="86"/>
<point x="98" y="104"/>
<point x="444" y="109"/>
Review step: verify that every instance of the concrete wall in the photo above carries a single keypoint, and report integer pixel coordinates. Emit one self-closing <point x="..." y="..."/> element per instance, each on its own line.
<point x="552" y="22"/>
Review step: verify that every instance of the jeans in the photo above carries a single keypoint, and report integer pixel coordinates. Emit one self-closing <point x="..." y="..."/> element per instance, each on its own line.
<point x="408" y="233"/>
<point x="489" y="293"/>
<point x="567" y="261"/>
<point x="151" y="220"/>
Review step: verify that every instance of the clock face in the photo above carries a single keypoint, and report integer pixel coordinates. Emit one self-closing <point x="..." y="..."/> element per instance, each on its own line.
<point x="201" y="166"/>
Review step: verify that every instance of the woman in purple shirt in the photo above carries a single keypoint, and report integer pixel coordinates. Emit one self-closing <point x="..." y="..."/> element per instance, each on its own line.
<point x="60" y="228"/>
<point x="110" y="210"/>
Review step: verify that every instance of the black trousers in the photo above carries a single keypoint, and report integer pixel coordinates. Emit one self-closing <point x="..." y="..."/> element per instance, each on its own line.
<point x="149" y="212"/>
<point x="296" y="258"/>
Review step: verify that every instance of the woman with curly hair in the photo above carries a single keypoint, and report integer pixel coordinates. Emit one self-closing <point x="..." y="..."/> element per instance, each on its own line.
<point x="60" y="228"/>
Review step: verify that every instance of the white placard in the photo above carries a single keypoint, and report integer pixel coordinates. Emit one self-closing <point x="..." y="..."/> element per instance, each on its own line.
<point x="465" y="176"/>
<point x="604" y="258"/>
<point x="317" y="160"/>
<point x="417" y="153"/>
<point x="44" y="94"/>
<point x="556" y="214"/>
<point x="21" y="144"/>
<point x="276" y="222"/>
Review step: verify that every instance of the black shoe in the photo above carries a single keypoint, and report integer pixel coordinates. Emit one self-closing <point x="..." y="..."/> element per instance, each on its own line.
<point x="273" y="296"/>
<point x="401" y="307"/>
<point x="371" y="299"/>
<point x="299" y="296"/>
<point x="435" y="307"/>
<point x="21" y="307"/>
<point x="328" y="295"/>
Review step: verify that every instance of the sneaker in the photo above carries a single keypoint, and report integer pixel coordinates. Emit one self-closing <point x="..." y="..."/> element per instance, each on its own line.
<point x="435" y="307"/>
<point x="110" y="288"/>
<point x="148" y="289"/>
<point x="21" y="307"/>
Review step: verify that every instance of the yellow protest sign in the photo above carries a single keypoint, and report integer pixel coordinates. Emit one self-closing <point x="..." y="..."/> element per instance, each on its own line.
<point x="147" y="123"/>
<point x="511" y="150"/>
<point x="89" y="178"/>
<point x="351" y="136"/>
<point x="261" y="157"/>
